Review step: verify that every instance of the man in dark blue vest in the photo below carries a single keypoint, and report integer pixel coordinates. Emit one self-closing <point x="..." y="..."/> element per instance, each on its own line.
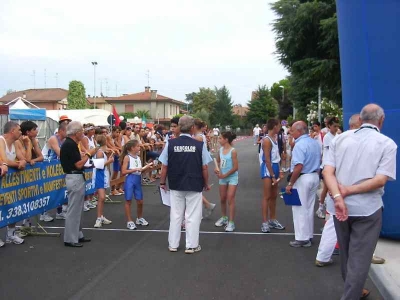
<point x="185" y="162"/>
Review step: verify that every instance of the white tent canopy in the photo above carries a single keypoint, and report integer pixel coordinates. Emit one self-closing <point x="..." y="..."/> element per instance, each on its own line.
<point x="96" y="116"/>
<point x="19" y="104"/>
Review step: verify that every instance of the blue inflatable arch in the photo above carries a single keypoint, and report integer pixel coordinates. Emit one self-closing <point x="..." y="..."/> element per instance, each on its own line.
<point x="369" y="41"/>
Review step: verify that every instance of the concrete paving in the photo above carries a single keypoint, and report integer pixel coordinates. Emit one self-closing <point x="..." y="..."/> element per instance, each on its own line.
<point x="123" y="264"/>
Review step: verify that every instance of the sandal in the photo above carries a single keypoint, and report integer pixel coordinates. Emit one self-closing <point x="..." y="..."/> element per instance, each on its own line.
<point x="365" y="294"/>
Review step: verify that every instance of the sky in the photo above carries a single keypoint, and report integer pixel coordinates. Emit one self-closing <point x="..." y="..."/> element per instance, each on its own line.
<point x="185" y="45"/>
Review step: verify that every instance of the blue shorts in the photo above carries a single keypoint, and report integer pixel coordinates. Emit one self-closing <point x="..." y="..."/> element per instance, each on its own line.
<point x="133" y="187"/>
<point x="116" y="165"/>
<point x="264" y="171"/>
<point x="230" y="180"/>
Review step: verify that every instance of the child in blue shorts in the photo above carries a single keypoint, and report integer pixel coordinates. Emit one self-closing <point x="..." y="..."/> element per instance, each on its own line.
<point x="132" y="168"/>
<point x="228" y="179"/>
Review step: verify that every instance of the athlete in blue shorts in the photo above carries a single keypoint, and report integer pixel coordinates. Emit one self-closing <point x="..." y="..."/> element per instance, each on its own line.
<point x="132" y="168"/>
<point x="269" y="171"/>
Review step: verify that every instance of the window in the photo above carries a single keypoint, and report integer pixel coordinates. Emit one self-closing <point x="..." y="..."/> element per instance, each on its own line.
<point x="170" y="109"/>
<point x="129" y="108"/>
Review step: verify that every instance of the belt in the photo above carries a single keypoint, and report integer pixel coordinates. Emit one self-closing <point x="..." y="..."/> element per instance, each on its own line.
<point x="308" y="173"/>
<point x="75" y="172"/>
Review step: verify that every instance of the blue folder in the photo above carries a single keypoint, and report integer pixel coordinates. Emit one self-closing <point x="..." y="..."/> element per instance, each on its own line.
<point x="291" y="199"/>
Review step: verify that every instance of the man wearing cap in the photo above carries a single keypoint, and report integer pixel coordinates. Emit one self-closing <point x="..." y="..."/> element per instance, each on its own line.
<point x="73" y="163"/>
<point x="64" y="119"/>
<point x="357" y="167"/>
<point x="184" y="161"/>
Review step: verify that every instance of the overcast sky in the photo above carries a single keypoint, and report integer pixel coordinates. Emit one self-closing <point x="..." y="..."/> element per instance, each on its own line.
<point x="186" y="44"/>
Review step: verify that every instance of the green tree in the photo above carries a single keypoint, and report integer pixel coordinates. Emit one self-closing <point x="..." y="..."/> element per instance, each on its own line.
<point x="222" y="113"/>
<point x="307" y="45"/>
<point x="204" y="100"/>
<point x="262" y="107"/>
<point x="280" y="91"/>
<point x="143" y="114"/>
<point x="76" y="95"/>
<point x="189" y="99"/>
<point x="203" y="115"/>
<point x="128" y="115"/>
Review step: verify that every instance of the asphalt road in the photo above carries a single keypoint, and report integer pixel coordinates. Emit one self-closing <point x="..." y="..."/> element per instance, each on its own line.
<point x="123" y="264"/>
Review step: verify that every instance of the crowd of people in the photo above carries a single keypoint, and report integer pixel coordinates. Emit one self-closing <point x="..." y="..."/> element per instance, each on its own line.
<point x="349" y="169"/>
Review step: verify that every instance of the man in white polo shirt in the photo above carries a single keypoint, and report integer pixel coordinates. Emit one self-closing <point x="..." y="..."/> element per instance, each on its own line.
<point x="256" y="133"/>
<point x="358" y="165"/>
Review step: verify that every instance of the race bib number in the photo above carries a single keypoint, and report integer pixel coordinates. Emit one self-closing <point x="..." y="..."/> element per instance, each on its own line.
<point x="223" y="163"/>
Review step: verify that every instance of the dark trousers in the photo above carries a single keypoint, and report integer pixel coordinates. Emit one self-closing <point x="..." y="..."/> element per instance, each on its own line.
<point x="357" y="238"/>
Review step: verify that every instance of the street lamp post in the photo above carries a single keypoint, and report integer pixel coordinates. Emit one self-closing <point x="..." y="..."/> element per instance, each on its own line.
<point x="94" y="63"/>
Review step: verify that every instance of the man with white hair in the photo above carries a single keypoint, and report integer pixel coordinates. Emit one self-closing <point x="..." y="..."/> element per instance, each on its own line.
<point x="185" y="161"/>
<point x="359" y="164"/>
<point x="306" y="158"/>
<point x="73" y="164"/>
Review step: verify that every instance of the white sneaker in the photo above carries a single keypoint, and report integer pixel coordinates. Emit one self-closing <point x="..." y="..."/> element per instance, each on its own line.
<point x="105" y="221"/>
<point x="142" y="222"/>
<point x="85" y="207"/>
<point x="94" y="202"/>
<point x="46" y="218"/>
<point x="14" y="239"/>
<point x="230" y="227"/>
<point x="60" y="216"/>
<point x="193" y="250"/>
<point x="26" y="223"/>
<point x="90" y="205"/>
<point x="172" y="249"/>
<point x="131" y="225"/>
<point x="222" y="221"/>
<point x="98" y="223"/>
<point x="209" y="210"/>
<point x="2" y="243"/>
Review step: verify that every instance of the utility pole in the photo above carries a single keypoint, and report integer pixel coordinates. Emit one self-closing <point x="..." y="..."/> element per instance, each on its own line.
<point x="45" y="78"/>
<point x="94" y="63"/>
<point x="56" y="80"/>
<point x="106" y="79"/>
<point x="116" y="89"/>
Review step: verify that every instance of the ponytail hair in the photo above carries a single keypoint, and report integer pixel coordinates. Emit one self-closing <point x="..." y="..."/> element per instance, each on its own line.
<point x="229" y="136"/>
<point x="128" y="146"/>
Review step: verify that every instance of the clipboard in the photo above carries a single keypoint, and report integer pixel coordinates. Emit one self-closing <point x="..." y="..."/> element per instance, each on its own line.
<point x="292" y="199"/>
<point x="165" y="197"/>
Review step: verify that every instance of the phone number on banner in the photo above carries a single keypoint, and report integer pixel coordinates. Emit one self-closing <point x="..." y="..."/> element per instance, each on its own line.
<point x="25" y="208"/>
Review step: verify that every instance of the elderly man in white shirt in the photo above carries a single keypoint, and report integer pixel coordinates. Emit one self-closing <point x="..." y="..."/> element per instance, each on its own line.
<point x="359" y="164"/>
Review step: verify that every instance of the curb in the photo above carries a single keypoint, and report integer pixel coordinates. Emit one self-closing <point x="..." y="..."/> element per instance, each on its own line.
<point x="384" y="282"/>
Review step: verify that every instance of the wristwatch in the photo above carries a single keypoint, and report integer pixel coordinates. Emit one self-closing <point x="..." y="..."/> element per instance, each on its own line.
<point x="162" y="183"/>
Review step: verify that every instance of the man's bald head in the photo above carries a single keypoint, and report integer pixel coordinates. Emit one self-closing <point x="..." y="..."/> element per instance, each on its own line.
<point x="354" y="122"/>
<point x="372" y="114"/>
<point x="299" y="128"/>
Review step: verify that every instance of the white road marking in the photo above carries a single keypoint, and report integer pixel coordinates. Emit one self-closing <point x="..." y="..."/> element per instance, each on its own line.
<point x="202" y="232"/>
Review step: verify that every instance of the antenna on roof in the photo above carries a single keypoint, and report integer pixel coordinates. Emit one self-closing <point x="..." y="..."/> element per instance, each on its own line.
<point x="148" y="77"/>
<point x="56" y="80"/>
<point x="45" y="77"/>
<point x="34" y="79"/>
